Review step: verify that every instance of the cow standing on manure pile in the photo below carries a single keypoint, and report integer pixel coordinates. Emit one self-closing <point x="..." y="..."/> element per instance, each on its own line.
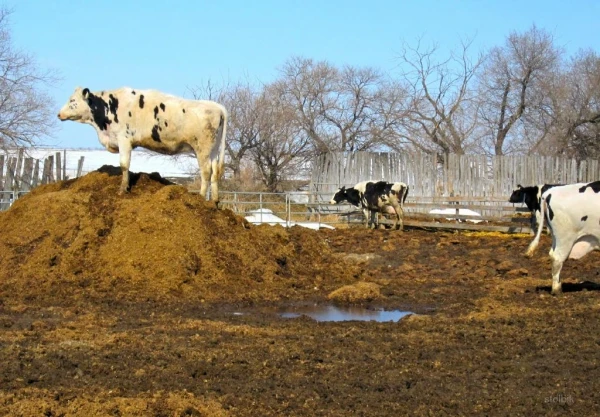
<point x="126" y="119"/>
<point x="374" y="197"/>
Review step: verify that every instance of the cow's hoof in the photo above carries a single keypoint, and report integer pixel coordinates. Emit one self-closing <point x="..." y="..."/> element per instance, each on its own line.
<point x="557" y="293"/>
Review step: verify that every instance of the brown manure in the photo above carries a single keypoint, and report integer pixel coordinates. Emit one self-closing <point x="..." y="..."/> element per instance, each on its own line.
<point x="78" y="239"/>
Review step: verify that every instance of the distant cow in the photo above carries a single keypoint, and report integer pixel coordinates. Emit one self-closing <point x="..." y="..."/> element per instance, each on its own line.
<point x="375" y="197"/>
<point x="531" y="196"/>
<point x="126" y="119"/>
<point x="574" y="219"/>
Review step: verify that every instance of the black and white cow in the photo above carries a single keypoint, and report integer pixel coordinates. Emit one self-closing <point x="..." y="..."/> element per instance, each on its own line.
<point x="531" y="196"/>
<point x="574" y="220"/>
<point x="374" y="197"/>
<point x="126" y="119"/>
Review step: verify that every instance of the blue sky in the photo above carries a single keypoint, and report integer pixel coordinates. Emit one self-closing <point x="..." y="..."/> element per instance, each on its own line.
<point x="176" y="45"/>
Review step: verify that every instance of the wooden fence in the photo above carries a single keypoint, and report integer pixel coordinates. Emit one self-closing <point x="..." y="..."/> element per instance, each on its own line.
<point x="449" y="175"/>
<point x="20" y="173"/>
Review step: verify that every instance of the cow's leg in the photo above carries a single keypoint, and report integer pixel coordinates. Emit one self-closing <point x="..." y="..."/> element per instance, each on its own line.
<point x="205" y="171"/>
<point x="533" y="222"/>
<point x="378" y="217"/>
<point x="399" y="222"/>
<point x="124" y="161"/>
<point x="561" y="248"/>
<point x="367" y="214"/>
<point x="214" y="181"/>
<point x="538" y="218"/>
<point x="556" y="267"/>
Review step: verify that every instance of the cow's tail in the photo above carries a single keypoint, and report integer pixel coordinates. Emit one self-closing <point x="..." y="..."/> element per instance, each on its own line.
<point x="405" y="194"/>
<point x="533" y="245"/>
<point x="223" y="126"/>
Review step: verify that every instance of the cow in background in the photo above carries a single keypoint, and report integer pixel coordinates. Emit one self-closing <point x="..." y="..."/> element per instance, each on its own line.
<point x="531" y="196"/>
<point x="574" y="220"/>
<point x="374" y="197"/>
<point x="125" y="119"/>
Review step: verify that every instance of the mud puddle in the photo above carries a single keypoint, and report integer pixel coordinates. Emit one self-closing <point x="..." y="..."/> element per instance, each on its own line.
<point x="339" y="313"/>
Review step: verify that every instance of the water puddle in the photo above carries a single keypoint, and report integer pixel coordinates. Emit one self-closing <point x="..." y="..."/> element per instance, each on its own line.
<point x="335" y="313"/>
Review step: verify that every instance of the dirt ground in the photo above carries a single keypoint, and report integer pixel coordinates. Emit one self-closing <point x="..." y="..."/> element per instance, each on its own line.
<point x="157" y="303"/>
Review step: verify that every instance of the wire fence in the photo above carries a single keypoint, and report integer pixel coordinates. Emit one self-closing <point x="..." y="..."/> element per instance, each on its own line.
<point x="313" y="210"/>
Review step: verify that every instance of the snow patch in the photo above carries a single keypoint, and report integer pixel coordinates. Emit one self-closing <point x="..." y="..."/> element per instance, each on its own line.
<point x="262" y="216"/>
<point x="462" y="212"/>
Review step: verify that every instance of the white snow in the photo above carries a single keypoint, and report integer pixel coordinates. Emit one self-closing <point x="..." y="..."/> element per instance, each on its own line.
<point x="262" y="216"/>
<point x="462" y="212"/>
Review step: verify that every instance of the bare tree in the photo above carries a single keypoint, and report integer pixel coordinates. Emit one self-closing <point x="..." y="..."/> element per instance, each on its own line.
<point x="242" y="102"/>
<point x="209" y="90"/>
<point x="282" y="148"/>
<point x="26" y="111"/>
<point x="443" y="114"/>
<point x="351" y="114"/>
<point x="391" y="106"/>
<point x="575" y="108"/>
<point x="511" y="88"/>
<point x="338" y="109"/>
<point x="308" y="87"/>
<point x="262" y="129"/>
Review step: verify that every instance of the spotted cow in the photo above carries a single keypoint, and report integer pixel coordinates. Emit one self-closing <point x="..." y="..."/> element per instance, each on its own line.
<point x="374" y="197"/>
<point x="574" y="220"/>
<point x="531" y="196"/>
<point x="125" y="119"/>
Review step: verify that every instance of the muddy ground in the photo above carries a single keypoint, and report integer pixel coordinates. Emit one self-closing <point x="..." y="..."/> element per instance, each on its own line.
<point x="157" y="303"/>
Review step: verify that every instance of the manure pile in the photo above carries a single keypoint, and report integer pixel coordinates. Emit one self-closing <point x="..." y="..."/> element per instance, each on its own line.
<point x="79" y="240"/>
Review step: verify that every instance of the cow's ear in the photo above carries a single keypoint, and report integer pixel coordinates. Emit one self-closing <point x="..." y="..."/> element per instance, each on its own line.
<point x="343" y="188"/>
<point x="85" y="93"/>
<point x="519" y="186"/>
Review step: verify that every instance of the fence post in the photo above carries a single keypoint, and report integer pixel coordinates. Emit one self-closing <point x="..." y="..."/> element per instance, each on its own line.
<point x="47" y="173"/>
<point x="58" y="166"/>
<point x="27" y="174"/>
<point x="288" y="210"/>
<point x="17" y="171"/>
<point x="10" y="174"/>
<point x="36" y="174"/>
<point x="1" y="172"/>
<point x="79" y="166"/>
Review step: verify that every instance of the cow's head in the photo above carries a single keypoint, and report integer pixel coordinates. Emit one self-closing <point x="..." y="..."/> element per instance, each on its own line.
<point x="518" y="195"/>
<point x="77" y="108"/>
<point x="85" y="107"/>
<point x="339" y="196"/>
<point x="351" y="195"/>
